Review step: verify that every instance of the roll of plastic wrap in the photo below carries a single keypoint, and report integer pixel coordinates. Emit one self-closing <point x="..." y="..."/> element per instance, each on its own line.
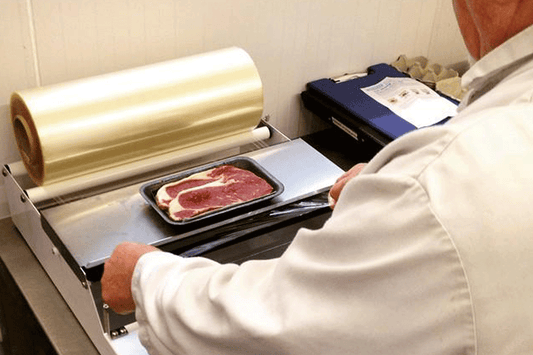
<point x="74" y="129"/>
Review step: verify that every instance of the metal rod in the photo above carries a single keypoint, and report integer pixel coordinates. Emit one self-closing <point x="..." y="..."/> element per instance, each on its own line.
<point x="107" y="324"/>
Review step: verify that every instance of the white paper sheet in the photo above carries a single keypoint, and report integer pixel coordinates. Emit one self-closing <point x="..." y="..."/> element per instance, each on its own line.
<point x="411" y="100"/>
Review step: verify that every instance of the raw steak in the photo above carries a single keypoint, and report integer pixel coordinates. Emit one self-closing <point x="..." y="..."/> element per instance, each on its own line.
<point x="209" y="190"/>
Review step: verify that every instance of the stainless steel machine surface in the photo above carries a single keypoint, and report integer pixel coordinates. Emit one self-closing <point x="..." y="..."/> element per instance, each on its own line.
<point x="73" y="235"/>
<point x="123" y="214"/>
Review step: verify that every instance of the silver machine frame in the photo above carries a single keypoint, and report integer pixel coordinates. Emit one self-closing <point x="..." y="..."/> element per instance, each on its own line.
<point x="279" y="155"/>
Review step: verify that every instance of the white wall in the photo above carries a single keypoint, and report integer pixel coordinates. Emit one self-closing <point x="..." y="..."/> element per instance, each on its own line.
<point x="292" y="42"/>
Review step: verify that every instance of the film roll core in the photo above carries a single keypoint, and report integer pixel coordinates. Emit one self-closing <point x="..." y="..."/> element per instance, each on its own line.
<point x="79" y="128"/>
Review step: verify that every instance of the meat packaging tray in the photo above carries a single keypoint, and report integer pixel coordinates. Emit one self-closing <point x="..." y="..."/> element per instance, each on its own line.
<point x="149" y="190"/>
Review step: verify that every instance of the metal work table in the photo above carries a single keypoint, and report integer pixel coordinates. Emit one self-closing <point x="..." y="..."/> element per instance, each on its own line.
<point x="36" y="320"/>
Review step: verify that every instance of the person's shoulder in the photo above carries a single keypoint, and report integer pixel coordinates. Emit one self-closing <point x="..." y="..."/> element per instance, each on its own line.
<point x="411" y="153"/>
<point x="474" y="134"/>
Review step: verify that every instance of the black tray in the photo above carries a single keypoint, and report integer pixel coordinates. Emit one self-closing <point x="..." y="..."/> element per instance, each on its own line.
<point x="149" y="190"/>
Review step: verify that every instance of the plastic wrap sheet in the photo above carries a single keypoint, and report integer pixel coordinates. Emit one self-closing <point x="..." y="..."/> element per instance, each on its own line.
<point x="82" y="127"/>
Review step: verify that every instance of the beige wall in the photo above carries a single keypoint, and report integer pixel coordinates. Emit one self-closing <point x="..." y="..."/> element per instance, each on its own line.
<point x="292" y="42"/>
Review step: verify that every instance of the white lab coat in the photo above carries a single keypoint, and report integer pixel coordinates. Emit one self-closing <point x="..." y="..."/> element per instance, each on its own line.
<point x="429" y="250"/>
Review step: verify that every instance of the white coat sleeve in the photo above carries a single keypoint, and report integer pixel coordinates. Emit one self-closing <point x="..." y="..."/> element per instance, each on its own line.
<point x="381" y="277"/>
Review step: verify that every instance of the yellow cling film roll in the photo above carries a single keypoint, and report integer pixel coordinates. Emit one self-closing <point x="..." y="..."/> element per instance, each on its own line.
<point x="77" y="128"/>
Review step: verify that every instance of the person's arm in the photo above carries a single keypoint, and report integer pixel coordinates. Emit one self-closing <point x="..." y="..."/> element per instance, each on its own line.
<point x="118" y="270"/>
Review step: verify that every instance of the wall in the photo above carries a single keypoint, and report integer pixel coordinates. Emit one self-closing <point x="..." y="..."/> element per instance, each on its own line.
<point x="292" y="42"/>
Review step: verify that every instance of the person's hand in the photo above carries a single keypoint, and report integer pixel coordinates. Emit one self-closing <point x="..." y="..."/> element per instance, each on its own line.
<point x="118" y="273"/>
<point x="336" y="189"/>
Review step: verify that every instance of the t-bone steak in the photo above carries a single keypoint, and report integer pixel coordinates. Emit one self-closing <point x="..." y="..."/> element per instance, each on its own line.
<point x="209" y="190"/>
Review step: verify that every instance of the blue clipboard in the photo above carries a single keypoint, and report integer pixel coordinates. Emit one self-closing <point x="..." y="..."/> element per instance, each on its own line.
<point x="344" y="101"/>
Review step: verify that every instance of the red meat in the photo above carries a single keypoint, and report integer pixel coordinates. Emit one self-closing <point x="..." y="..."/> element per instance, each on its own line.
<point x="210" y="190"/>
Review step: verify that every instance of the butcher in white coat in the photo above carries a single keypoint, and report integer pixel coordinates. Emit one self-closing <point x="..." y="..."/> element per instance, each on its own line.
<point x="429" y="249"/>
